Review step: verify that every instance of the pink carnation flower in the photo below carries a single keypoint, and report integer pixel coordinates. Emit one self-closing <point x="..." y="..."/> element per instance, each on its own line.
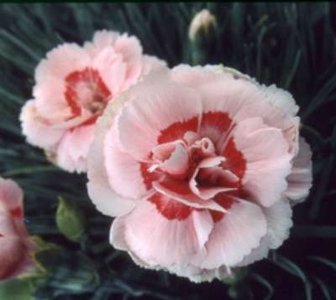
<point x="200" y="167"/>
<point x="15" y="244"/>
<point x="73" y="86"/>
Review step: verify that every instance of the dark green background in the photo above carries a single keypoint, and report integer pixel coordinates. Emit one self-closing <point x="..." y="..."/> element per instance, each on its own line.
<point x="289" y="44"/>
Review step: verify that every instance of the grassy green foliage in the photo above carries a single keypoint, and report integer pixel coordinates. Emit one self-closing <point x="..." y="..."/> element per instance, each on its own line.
<point x="290" y="44"/>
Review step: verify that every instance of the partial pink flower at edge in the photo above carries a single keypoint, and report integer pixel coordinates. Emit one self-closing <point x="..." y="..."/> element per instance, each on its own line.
<point x="198" y="166"/>
<point x="73" y="86"/>
<point x="16" y="246"/>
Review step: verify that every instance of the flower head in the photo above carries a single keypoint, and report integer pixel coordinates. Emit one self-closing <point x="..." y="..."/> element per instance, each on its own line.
<point x="73" y="86"/>
<point x="196" y="164"/>
<point x="15" y="243"/>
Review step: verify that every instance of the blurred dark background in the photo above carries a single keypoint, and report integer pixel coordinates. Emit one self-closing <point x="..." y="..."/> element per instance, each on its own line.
<point x="289" y="44"/>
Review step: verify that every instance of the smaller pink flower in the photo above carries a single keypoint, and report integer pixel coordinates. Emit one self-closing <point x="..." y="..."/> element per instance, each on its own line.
<point x="73" y="86"/>
<point x="16" y="246"/>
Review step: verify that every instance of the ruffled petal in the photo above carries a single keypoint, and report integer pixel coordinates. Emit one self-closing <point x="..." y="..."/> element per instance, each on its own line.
<point x="131" y="52"/>
<point x="172" y="190"/>
<point x="112" y="69"/>
<point x="100" y="40"/>
<point x="197" y="76"/>
<point x="73" y="149"/>
<point x="241" y="98"/>
<point x="158" y="241"/>
<point x="268" y="161"/>
<point x="193" y="77"/>
<point x="55" y="65"/>
<point x="36" y="129"/>
<point x="233" y="237"/>
<point x="101" y="193"/>
<point x="171" y="158"/>
<point x="280" y="99"/>
<point x="198" y="275"/>
<point x="50" y="100"/>
<point x="279" y="221"/>
<point x="152" y="64"/>
<point x="301" y="177"/>
<point x="123" y="172"/>
<point x="140" y="126"/>
<point x="210" y="167"/>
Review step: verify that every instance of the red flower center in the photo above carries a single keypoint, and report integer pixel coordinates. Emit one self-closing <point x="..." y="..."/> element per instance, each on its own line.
<point x="195" y="164"/>
<point x="86" y="91"/>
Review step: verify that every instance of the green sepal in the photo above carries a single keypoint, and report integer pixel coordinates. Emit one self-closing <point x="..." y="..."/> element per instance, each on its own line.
<point x="70" y="220"/>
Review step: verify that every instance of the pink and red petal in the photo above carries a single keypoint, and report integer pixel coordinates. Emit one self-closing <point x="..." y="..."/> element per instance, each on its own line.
<point x="140" y="126"/>
<point x="158" y="241"/>
<point x="56" y="66"/>
<point x="268" y="162"/>
<point x="11" y="198"/>
<point x="233" y="237"/>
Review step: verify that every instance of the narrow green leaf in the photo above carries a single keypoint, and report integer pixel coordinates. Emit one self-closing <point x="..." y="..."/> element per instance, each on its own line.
<point x="324" y="181"/>
<point x="11" y="96"/>
<point x="260" y="51"/>
<point x="32" y="53"/>
<point x="293" y="69"/>
<point x="261" y="280"/>
<point x="320" y="97"/>
<point x="324" y="288"/>
<point x="324" y="261"/>
<point x="30" y="170"/>
<point x="313" y="134"/>
<point x="292" y="268"/>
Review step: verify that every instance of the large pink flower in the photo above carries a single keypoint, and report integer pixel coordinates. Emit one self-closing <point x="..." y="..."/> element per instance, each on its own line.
<point x="16" y="245"/>
<point x="73" y="86"/>
<point x="199" y="165"/>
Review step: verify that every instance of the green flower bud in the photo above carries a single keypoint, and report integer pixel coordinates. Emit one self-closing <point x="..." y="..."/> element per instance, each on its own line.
<point x="70" y="220"/>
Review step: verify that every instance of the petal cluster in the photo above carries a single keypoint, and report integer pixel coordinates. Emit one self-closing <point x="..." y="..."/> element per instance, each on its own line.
<point x="15" y="243"/>
<point x="200" y="166"/>
<point x="73" y="86"/>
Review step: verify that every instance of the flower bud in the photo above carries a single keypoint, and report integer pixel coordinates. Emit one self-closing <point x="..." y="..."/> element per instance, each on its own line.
<point x="202" y="25"/>
<point x="202" y="36"/>
<point x="70" y="220"/>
